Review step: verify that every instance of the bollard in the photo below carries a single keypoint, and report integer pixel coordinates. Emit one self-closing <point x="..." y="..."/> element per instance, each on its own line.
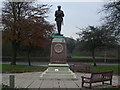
<point x="12" y="81"/>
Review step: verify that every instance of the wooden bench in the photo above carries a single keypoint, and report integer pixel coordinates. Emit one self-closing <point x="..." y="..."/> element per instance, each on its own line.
<point x="83" y="67"/>
<point x="98" y="77"/>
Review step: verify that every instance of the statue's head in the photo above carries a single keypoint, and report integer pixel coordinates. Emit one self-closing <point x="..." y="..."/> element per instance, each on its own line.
<point x="59" y="7"/>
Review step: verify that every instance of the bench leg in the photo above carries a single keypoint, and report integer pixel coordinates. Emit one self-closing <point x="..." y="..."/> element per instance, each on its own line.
<point x="90" y="85"/>
<point x="103" y="82"/>
<point x="82" y="83"/>
<point x="111" y="82"/>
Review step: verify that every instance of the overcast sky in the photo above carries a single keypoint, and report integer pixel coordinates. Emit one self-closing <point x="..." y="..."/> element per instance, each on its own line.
<point x="77" y="14"/>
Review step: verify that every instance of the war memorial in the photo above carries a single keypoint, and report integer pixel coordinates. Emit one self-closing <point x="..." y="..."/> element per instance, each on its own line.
<point x="58" y="67"/>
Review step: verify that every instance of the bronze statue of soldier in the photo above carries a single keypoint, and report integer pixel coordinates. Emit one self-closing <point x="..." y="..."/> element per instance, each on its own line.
<point x="59" y="19"/>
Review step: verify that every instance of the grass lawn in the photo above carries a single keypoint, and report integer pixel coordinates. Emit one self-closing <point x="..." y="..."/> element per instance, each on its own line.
<point x="0" y="86"/>
<point x="6" y="87"/>
<point x="111" y="88"/>
<point x="7" y="68"/>
<point x="89" y="57"/>
<point x="115" y="68"/>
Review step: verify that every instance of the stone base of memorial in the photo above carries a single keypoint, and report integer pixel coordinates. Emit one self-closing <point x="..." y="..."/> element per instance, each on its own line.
<point x="58" y="71"/>
<point x="58" y="67"/>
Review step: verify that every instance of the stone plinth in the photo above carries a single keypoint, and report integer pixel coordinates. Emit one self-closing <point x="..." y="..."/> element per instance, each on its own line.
<point x="58" y="67"/>
<point x="58" y="50"/>
<point x="58" y="71"/>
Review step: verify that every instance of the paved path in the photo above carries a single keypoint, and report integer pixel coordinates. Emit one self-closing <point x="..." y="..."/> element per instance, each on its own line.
<point x="32" y="80"/>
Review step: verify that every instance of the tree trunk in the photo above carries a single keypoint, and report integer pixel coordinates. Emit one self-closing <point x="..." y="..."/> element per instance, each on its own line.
<point x="29" y="62"/>
<point x="14" y="48"/>
<point x="118" y="53"/>
<point x="94" y="60"/>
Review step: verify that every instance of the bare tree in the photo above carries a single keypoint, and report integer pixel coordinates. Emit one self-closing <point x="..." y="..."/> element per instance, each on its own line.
<point x="24" y="22"/>
<point x="112" y="19"/>
<point x="94" y="38"/>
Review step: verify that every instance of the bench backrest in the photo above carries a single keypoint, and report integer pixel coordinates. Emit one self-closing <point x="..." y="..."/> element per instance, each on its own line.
<point x="107" y="75"/>
<point x="96" y="76"/>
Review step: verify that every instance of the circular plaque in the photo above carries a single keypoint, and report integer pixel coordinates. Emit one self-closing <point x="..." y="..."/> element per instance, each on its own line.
<point x="58" y="48"/>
